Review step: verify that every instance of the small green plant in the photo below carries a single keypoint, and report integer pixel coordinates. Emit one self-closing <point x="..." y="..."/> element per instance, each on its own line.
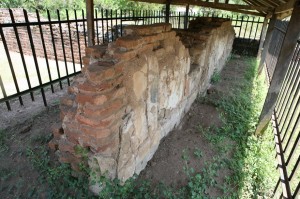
<point x="82" y="151"/>
<point x="198" y="153"/>
<point x="185" y="155"/>
<point x="216" y="77"/>
<point x="59" y="177"/>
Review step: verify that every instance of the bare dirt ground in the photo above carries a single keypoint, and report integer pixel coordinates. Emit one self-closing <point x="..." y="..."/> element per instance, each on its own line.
<point x="184" y="148"/>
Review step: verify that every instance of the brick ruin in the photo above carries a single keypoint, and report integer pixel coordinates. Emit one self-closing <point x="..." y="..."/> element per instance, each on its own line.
<point x="134" y="91"/>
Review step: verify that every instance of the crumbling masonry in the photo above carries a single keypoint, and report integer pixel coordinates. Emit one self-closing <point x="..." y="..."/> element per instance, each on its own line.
<point x="134" y="91"/>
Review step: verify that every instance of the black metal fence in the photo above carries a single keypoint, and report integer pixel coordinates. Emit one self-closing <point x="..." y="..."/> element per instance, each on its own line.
<point x="275" y="46"/>
<point x="43" y="51"/>
<point x="286" y="118"/>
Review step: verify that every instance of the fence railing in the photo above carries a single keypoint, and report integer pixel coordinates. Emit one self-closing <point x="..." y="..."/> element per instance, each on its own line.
<point x="286" y="122"/>
<point x="42" y="51"/>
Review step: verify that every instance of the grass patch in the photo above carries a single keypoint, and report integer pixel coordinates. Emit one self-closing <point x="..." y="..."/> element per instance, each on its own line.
<point x="58" y="178"/>
<point x="216" y="77"/>
<point x="252" y="162"/>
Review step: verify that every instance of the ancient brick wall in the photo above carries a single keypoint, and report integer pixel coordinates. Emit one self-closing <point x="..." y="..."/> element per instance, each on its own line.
<point x="134" y="91"/>
<point x="11" y="40"/>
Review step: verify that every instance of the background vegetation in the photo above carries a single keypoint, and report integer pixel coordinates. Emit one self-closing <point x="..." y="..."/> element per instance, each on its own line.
<point x="77" y="4"/>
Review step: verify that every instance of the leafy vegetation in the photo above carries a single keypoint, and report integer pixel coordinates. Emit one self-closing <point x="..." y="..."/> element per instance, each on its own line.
<point x="77" y="4"/>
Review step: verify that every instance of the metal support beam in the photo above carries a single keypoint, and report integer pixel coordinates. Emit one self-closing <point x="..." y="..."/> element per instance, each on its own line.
<point x="284" y="58"/>
<point x="186" y="18"/>
<point x="266" y="44"/>
<point x="262" y="37"/>
<point x="168" y="4"/>
<point x="90" y="22"/>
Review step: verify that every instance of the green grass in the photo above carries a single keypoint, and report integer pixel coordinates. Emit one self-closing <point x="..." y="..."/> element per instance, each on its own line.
<point x="216" y="77"/>
<point x="253" y="162"/>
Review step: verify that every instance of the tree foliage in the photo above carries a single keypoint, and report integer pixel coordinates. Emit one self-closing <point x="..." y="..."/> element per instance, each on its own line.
<point x="77" y="4"/>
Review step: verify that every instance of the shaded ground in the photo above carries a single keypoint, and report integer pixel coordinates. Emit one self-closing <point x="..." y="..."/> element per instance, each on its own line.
<point x="195" y="147"/>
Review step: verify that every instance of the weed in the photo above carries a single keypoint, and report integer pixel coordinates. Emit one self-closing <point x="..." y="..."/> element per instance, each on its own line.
<point x="198" y="153"/>
<point x="59" y="178"/>
<point x="41" y="139"/>
<point x="216" y="77"/>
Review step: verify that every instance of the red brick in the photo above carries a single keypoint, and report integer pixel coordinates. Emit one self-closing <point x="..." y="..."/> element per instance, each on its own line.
<point x="168" y="35"/>
<point x="152" y="38"/>
<point x="67" y="157"/>
<point x="147" y="29"/>
<point x="92" y="99"/>
<point x="95" y="133"/>
<point x="57" y="131"/>
<point x="125" y="56"/>
<point x="105" y="111"/>
<point x="146" y="49"/>
<point x="129" y="42"/>
<point x="87" y="87"/>
<point x="120" y="67"/>
<point x="97" y="54"/>
<point x="88" y="51"/>
<point x="67" y="100"/>
<point x="53" y="145"/>
<point x="86" y="60"/>
<point x="66" y="146"/>
<point x="101" y="124"/>
<point x="109" y="73"/>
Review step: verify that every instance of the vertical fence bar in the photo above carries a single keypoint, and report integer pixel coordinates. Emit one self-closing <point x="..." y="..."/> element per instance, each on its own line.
<point x="112" y="25"/>
<point x="84" y="30"/>
<point x="21" y="53"/>
<point x="34" y="56"/>
<point x="102" y="27"/>
<point x="4" y="94"/>
<point x="116" y="20"/>
<point x="71" y="42"/>
<point x="291" y="70"/>
<point x="106" y="20"/>
<point x="44" y="48"/>
<point x="54" y="48"/>
<point x="257" y="23"/>
<point x="241" y="26"/>
<point x="97" y="27"/>
<point x="121" y="20"/>
<point x="10" y="64"/>
<point x="179" y="20"/>
<point x="252" y="22"/>
<point x="246" y="27"/>
<point x="63" y="45"/>
<point x="281" y="161"/>
<point x="78" y="38"/>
